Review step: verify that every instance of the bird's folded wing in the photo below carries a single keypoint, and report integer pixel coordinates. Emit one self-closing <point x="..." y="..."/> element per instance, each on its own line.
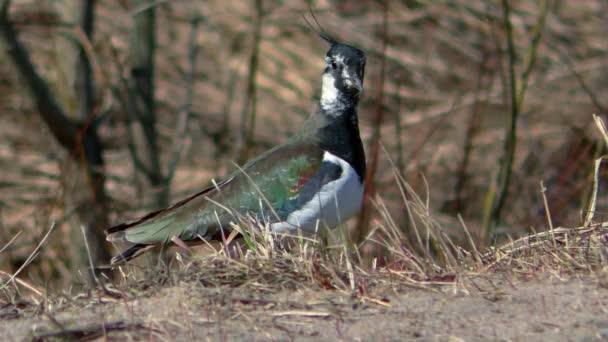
<point x="269" y="188"/>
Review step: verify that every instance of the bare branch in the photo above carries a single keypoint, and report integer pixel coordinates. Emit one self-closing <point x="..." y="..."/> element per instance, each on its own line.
<point x="248" y="113"/>
<point x="184" y="116"/>
<point x="364" y="214"/>
<point x="53" y="115"/>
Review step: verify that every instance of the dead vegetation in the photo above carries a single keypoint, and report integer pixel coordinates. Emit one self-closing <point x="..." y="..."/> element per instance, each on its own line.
<point x="248" y="274"/>
<point x="304" y="284"/>
<point x="460" y="94"/>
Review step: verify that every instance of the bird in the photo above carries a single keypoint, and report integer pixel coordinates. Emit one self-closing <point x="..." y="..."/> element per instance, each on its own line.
<point x="315" y="179"/>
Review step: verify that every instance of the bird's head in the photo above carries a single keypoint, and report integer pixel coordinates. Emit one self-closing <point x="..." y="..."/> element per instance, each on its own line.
<point x="343" y="76"/>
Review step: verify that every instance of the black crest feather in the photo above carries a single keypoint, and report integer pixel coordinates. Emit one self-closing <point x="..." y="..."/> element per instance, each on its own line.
<point x="320" y="30"/>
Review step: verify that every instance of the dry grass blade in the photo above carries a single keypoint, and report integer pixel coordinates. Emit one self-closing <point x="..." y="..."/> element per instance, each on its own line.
<point x="302" y="313"/>
<point x="601" y="126"/>
<point x="572" y="243"/>
<point x="599" y="122"/>
<point x="543" y="189"/>
<point x="10" y="242"/>
<point x="6" y="277"/>
<point x="433" y="255"/>
<point x="90" y="258"/>
<point x="31" y="257"/>
<point x="476" y="253"/>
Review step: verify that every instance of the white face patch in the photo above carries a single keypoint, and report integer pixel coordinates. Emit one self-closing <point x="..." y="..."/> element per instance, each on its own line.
<point x="335" y="202"/>
<point x="330" y="95"/>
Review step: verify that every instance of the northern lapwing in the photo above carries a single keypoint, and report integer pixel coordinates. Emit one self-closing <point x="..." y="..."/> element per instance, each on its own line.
<point x="312" y="181"/>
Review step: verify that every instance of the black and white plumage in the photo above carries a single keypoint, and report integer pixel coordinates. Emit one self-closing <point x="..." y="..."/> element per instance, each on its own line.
<point x="314" y="180"/>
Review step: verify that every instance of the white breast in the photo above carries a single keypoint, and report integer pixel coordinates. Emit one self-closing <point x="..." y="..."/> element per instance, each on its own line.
<point x="336" y="202"/>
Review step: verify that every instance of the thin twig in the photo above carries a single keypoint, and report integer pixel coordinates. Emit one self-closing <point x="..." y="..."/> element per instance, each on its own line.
<point x="534" y="44"/>
<point x="579" y="78"/>
<point x="472" y="128"/>
<point x="184" y="116"/>
<point x="372" y="165"/>
<point x="498" y="199"/>
<point x="248" y="115"/>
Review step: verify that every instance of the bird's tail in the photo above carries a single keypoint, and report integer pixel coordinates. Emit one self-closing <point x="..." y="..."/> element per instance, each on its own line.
<point x="131" y="253"/>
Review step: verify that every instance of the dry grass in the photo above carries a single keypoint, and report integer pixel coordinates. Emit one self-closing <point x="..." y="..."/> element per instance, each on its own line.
<point x="239" y="277"/>
<point x="416" y="239"/>
<point x="425" y="258"/>
<point x="256" y="276"/>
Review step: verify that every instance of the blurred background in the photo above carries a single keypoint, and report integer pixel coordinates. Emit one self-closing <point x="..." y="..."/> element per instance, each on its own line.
<point x="114" y="108"/>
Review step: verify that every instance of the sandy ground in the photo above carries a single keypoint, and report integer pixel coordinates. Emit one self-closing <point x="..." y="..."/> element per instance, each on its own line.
<point x="543" y="308"/>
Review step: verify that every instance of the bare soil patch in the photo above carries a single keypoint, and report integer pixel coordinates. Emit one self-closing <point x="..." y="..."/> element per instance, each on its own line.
<point x="500" y="307"/>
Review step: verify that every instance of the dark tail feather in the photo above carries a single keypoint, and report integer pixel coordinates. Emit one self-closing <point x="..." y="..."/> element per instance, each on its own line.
<point x="130" y="254"/>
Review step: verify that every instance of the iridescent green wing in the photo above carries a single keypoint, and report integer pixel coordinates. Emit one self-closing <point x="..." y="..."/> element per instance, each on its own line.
<point x="269" y="187"/>
<point x="273" y="183"/>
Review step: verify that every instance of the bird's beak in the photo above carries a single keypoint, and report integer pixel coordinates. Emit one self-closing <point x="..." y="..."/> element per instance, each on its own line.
<point x="353" y="84"/>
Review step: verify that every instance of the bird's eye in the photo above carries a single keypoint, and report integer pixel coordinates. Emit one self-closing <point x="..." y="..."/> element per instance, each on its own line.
<point x="334" y="65"/>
